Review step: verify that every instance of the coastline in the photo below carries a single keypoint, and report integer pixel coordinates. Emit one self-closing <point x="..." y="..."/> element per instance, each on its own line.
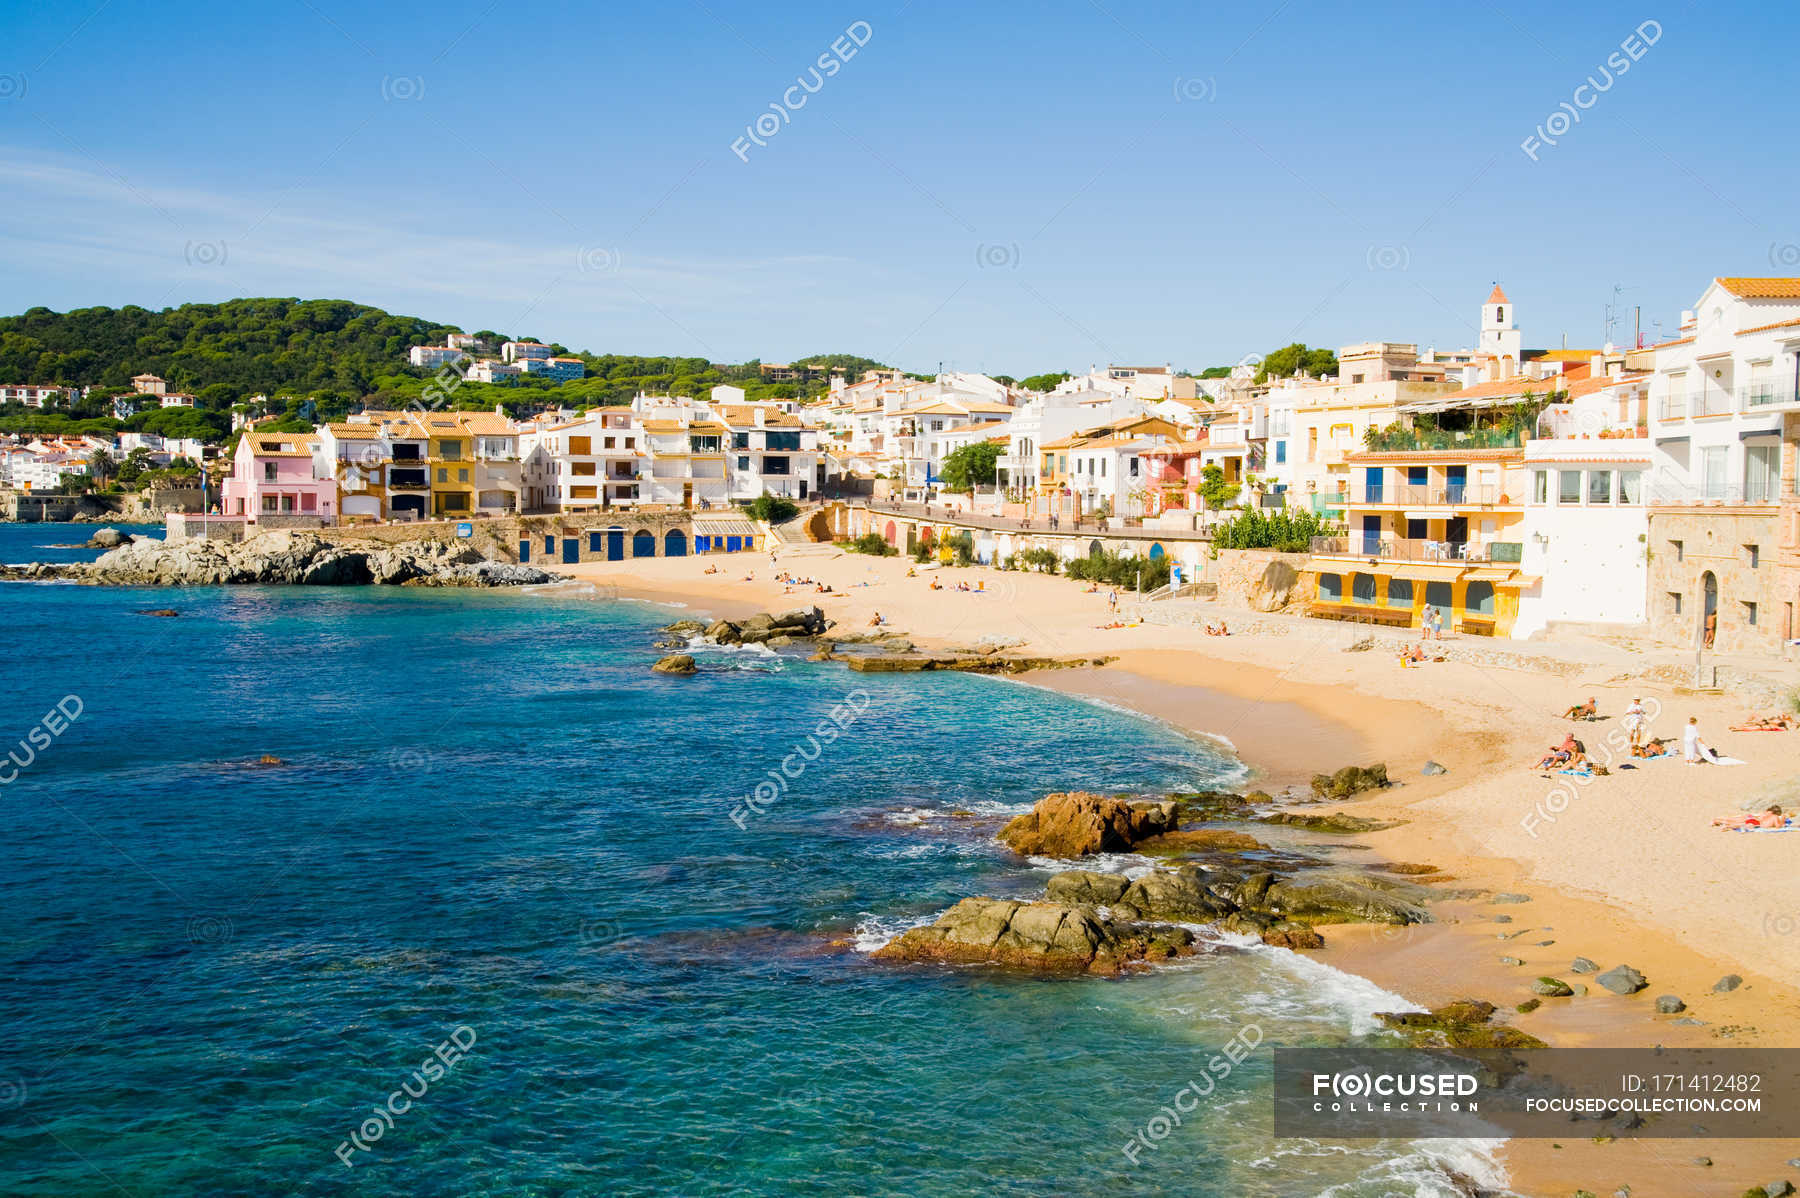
<point x="1612" y="876"/>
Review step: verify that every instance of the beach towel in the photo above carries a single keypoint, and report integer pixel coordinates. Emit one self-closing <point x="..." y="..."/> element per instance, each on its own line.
<point x="1745" y="828"/>
<point x="1577" y="773"/>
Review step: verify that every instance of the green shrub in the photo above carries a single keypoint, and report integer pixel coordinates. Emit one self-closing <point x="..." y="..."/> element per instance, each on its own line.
<point x="1114" y="569"/>
<point x="1289" y="530"/>
<point x="873" y="543"/>
<point x="1044" y="561"/>
<point x="773" y="509"/>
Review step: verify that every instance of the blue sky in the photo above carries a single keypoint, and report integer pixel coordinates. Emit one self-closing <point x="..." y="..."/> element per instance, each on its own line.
<point x="1002" y="188"/>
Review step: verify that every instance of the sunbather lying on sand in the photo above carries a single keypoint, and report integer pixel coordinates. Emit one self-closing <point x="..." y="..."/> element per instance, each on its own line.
<point x="1656" y="747"/>
<point x="1765" y="723"/>
<point x="1772" y="818"/>
<point x="1582" y="711"/>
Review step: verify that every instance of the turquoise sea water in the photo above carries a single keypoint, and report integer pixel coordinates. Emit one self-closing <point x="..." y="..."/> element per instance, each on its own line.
<point x="490" y="817"/>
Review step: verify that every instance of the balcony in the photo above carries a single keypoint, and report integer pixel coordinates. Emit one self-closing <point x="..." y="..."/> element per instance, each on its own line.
<point x="408" y="480"/>
<point x="1414" y="440"/>
<point x="1674" y="406"/>
<point x="1443" y="495"/>
<point x="1758" y="396"/>
<point x="1405" y="549"/>
<point x="1709" y="401"/>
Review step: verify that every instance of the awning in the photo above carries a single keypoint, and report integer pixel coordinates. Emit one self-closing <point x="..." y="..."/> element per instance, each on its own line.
<point x="1671" y="440"/>
<point x="1422" y="573"/>
<point x="1748" y="433"/>
<point x="1488" y="575"/>
<point x="723" y="526"/>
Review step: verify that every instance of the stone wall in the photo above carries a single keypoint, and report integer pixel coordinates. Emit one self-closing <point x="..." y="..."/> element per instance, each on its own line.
<point x="1261" y="579"/>
<point x="1686" y="545"/>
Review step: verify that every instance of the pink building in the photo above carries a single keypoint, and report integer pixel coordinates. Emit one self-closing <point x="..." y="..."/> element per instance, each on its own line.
<point x="273" y="475"/>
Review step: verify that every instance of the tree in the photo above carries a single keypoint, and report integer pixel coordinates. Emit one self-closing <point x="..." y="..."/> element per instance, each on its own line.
<point x="1216" y="372"/>
<point x="1044" y="382"/>
<point x="101" y="465"/>
<point x="1217" y="493"/>
<point x="1283" y="362"/>
<point x="970" y="466"/>
<point x="772" y="509"/>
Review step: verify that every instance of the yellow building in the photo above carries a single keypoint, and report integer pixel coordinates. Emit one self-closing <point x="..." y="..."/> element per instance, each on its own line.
<point x="1438" y="528"/>
<point x="450" y="460"/>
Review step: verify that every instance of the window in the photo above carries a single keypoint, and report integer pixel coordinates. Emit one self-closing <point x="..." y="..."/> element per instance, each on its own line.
<point x="583" y="445"/>
<point x="1362" y="588"/>
<point x="1631" y="486"/>
<point x="581" y="468"/>
<point x="1712" y="472"/>
<point x="1331" y="588"/>
<point x="1749" y="612"/>
<point x="1356" y="378"/>
<point x="443" y="475"/>
<point x="1280" y="452"/>
<point x="1568" y="486"/>
<point x="268" y="503"/>
<point x="1500" y="313"/>
<point x="1478" y="599"/>
<point x="1540" y="486"/>
<point x="1762" y="473"/>
<point x="462" y="474"/>
<point x="608" y="443"/>
<point x="743" y="462"/>
<point x="1599" y="489"/>
<point x="1675" y="603"/>
<point x="774" y="465"/>
<point x="1753" y="556"/>
<point x="1134" y="467"/>
<point x="269" y="469"/>
<point x="1399" y="592"/>
<point x="451" y="451"/>
<point x="1679" y="549"/>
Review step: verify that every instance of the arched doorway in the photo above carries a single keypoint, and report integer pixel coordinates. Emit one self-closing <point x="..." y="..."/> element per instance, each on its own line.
<point x="675" y="543"/>
<point x="643" y="543"/>
<point x="1709" y="609"/>
<point x="1093" y="548"/>
<point x="892" y="532"/>
<point x="1156" y="551"/>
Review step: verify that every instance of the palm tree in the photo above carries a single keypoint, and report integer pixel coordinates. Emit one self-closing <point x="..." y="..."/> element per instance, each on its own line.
<point x="101" y="465"/>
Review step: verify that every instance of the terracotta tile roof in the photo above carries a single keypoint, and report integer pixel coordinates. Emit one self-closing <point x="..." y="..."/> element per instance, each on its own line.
<point x="1760" y="288"/>
<point x="1497" y="296"/>
<point x="1666" y="344"/>
<point x="1582" y="387"/>
<point x="281" y="445"/>
<point x="486" y="424"/>
<point x="353" y="432"/>
<point x="1763" y="328"/>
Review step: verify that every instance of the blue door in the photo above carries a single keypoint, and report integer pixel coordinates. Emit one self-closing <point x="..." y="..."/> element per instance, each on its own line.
<point x="571" y="549"/>
<point x="615" y="544"/>
<point x="675" y="543"/>
<point x="643" y="543"/>
<point x="1371" y="535"/>
<point x="524" y="550"/>
<point x="1372" y="485"/>
<point x="549" y="543"/>
<point x="594" y="543"/>
<point x="1456" y="481"/>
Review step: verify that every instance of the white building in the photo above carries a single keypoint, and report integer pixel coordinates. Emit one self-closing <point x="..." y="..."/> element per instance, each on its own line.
<point x="596" y="460"/>
<point x="430" y="357"/>
<point x="487" y="370"/>
<point x="463" y="341"/>
<point x="772" y="453"/>
<point x="514" y="351"/>
<point x="1586" y="519"/>
<point x="31" y="396"/>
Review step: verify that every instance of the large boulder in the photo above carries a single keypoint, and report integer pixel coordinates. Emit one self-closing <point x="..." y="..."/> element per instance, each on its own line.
<point x="107" y="538"/>
<point x="1350" y="780"/>
<point x="675" y="663"/>
<point x="1052" y="937"/>
<point x="1076" y="824"/>
<point x="1622" y="979"/>
<point x="1337" y="823"/>
<point x="1325" y="896"/>
<point x="801" y="621"/>
<point x="1181" y="894"/>
<point x="724" y="632"/>
<point x="1086" y="886"/>
<point x="1274" y="590"/>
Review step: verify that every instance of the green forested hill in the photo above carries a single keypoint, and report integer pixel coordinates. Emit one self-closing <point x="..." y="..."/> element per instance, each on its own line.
<point x="334" y="354"/>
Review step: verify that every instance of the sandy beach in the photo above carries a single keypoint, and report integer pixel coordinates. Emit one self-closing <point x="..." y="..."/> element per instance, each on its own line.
<point x="1625" y="868"/>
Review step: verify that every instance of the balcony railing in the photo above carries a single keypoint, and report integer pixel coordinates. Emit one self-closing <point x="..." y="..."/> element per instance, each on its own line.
<point x="1763" y="395"/>
<point x="1675" y="406"/>
<point x="1710" y="401"/>
<point x="1407" y="549"/>
<point x="1406" y="440"/>
<point x="1442" y="495"/>
<point x="409" y="482"/>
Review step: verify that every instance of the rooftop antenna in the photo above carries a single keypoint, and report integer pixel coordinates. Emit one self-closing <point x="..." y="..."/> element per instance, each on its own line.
<point x="1613" y="311"/>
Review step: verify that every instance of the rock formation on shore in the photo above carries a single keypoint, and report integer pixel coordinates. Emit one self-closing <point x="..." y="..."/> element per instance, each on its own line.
<point x="1048" y="936"/>
<point x="290" y="559"/>
<point x="1076" y="824"/>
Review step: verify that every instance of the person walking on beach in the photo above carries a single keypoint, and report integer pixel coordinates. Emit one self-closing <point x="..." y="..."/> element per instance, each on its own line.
<point x="1637" y="722"/>
<point x="1693" y="749"/>
<point x="1112" y="601"/>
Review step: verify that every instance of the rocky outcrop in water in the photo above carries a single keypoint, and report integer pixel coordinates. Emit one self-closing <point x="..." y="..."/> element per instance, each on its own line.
<point x="1076" y="824"/>
<point x="675" y="663"/>
<point x="1351" y="780"/>
<point x="1049" y="936"/>
<point x="291" y="559"/>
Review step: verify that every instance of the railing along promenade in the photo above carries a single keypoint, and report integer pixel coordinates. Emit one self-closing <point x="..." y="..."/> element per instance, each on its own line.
<point x="1090" y="526"/>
